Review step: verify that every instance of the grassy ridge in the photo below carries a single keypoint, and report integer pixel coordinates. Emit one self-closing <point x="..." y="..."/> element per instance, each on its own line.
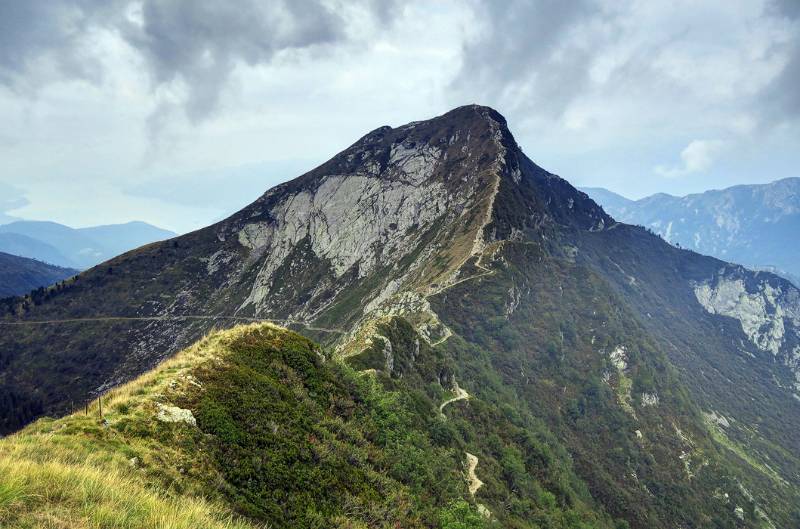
<point x="256" y="426"/>
<point x="88" y="471"/>
<point x="282" y="438"/>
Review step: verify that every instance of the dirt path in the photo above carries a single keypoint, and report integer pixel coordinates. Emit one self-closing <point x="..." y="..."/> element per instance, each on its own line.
<point x="478" y="264"/>
<point x="169" y="318"/>
<point x="460" y="395"/>
<point x="474" y="482"/>
<point x="486" y="272"/>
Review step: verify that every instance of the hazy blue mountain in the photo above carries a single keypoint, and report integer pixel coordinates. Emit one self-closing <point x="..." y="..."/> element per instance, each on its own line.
<point x="119" y="238"/>
<point x="19" y="275"/>
<point x="608" y="199"/>
<point x="756" y="225"/>
<point x="76" y="247"/>
<point x="24" y="246"/>
<point x="5" y="219"/>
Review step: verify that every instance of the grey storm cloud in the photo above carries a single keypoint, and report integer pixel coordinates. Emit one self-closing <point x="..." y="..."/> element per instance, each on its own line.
<point x="525" y="52"/>
<point x="200" y="42"/>
<point x="36" y="32"/>
<point x="782" y="96"/>
<point x="537" y="55"/>
<point x="197" y="42"/>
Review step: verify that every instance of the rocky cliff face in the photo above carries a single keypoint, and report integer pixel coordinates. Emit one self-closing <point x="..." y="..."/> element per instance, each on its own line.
<point x="397" y="202"/>
<point x="767" y="309"/>
<point x="438" y="250"/>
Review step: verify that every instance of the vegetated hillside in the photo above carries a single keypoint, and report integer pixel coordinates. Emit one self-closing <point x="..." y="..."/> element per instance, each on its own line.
<point x="668" y="380"/>
<point x="256" y="426"/>
<point x="79" y="248"/>
<point x="754" y="225"/>
<point x="20" y="276"/>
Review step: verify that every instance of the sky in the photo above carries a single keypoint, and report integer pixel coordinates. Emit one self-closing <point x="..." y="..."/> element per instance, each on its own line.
<point x="180" y="112"/>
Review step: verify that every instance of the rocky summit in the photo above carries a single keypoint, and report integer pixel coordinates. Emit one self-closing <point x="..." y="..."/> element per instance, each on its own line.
<point x="548" y="366"/>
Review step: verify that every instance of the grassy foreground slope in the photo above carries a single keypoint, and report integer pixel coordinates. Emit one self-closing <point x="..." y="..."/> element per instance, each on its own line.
<point x="255" y="427"/>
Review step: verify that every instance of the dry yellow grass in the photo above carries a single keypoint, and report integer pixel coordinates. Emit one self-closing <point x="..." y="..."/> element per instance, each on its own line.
<point x="54" y="494"/>
<point x="77" y="472"/>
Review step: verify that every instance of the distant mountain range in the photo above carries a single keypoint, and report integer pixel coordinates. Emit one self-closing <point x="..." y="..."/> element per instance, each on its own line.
<point x="79" y="248"/>
<point x="19" y="275"/>
<point x="755" y="225"/>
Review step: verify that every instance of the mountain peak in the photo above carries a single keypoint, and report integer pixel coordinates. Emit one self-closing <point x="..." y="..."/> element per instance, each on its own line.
<point x="400" y="215"/>
<point x="432" y="195"/>
<point x="475" y="111"/>
<point x="458" y="124"/>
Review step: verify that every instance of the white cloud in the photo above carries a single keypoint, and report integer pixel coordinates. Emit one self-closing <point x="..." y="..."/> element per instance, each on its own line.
<point x="697" y="157"/>
<point x="599" y="91"/>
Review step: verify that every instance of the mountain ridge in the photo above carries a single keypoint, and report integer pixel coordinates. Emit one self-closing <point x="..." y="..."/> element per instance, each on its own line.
<point x="437" y="250"/>
<point x="79" y="248"/>
<point x="19" y="275"/>
<point x="749" y="224"/>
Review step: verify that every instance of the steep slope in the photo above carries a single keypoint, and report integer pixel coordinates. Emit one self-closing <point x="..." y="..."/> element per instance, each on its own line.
<point x="19" y="275"/>
<point x="755" y="225"/>
<point x="253" y="427"/>
<point x="82" y="247"/>
<point x="402" y="210"/>
<point x="657" y="372"/>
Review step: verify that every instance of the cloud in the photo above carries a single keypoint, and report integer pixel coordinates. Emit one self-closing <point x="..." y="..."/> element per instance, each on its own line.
<point x="43" y="41"/>
<point x="189" y="48"/>
<point x="781" y="98"/>
<point x="697" y="157"/>
<point x="198" y="43"/>
<point x="527" y="52"/>
<point x="579" y="62"/>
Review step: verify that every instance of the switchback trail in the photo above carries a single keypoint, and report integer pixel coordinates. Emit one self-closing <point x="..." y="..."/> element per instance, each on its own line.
<point x="460" y="395"/>
<point x="473" y="482"/>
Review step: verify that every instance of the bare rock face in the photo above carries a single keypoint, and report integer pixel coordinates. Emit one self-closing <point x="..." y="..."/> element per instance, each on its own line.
<point x="401" y="214"/>
<point x="767" y="308"/>
<point x="403" y="211"/>
<point x="168" y="413"/>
